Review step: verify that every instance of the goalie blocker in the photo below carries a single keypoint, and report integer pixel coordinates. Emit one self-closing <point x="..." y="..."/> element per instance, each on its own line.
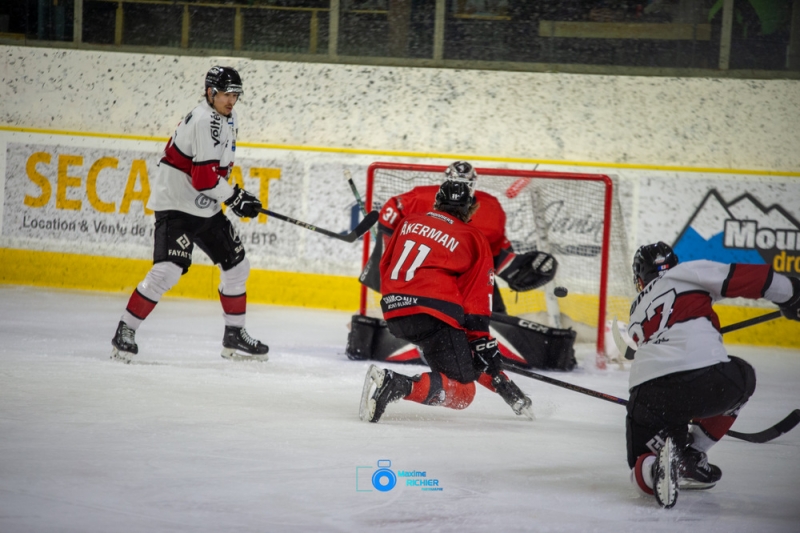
<point x="522" y="342"/>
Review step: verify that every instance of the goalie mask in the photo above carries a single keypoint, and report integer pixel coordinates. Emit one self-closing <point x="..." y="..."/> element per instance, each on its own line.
<point x="224" y="80"/>
<point x="650" y="261"/>
<point x="454" y="197"/>
<point x="462" y="171"/>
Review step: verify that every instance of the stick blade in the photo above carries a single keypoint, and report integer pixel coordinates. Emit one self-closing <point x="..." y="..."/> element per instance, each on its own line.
<point x="784" y="426"/>
<point x="363" y="226"/>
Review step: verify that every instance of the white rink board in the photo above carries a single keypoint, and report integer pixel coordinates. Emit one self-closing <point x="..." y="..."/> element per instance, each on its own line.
<point x="698" y="122"/>
<point x="68" y="193"/>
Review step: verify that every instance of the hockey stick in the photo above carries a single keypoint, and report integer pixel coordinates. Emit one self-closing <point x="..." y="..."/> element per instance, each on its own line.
<point x="750" y="322"/>
<point x="359" y="201"/>
<point x="558" y="383"/>
<point x="784" y="426"/>
<point x="369" y="220"/>
<point x="629" y="352"/>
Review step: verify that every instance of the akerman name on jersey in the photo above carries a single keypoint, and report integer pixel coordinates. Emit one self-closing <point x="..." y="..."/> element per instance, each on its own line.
<point x="435" y="235"/>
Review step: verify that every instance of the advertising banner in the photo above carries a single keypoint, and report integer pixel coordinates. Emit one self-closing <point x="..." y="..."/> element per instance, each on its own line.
<point x="90" y="200"/>
<point x="725" y="218"/>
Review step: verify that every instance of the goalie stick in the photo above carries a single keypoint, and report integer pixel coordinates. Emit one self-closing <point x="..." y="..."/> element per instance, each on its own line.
<point x="784" y="426"/>
<point x="369" y="220"/>
<point x="629" y="352"/>
<point x="359" y="201"/>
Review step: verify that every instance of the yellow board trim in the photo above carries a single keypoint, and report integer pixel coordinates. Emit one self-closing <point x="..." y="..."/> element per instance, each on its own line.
<point x="424" y="155"/>
<point x="96" y="273"/>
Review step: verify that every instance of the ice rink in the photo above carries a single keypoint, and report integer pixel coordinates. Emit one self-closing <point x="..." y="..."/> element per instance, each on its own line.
<point x="185" y="441"/>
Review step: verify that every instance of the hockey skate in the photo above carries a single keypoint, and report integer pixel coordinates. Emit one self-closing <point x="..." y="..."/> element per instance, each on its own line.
<point x="666" y="475"/>
<point x="124" y="343"/>
<point x="238" y="345"/>
<point x="381" y="387"/>
<point x="696" y="472"/>
<point x="513" y="396"/>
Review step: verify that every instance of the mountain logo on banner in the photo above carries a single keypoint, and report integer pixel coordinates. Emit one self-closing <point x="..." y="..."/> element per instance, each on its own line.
<point x="741" y="231"/>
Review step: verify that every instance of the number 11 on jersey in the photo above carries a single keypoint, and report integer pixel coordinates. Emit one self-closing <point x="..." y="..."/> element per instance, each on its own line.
<point x="422" y="253"/>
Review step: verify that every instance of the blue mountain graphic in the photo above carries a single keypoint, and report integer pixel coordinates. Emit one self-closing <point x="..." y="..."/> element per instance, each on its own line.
<point x="692" y="246"/>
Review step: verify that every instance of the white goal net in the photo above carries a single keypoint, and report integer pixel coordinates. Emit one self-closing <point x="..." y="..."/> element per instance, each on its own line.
<point x="575" y="217"/>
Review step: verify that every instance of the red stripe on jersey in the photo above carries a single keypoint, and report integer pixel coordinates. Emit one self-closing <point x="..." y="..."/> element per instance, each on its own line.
<point x="139" y="306"/>
<point x="205" y="175"/>
<point x="233" y="305"/>
<point x="691" y="305"/>
<point x="687" y="306"/>
<point x="175" y="158"/>
<point x="747" y="281"/>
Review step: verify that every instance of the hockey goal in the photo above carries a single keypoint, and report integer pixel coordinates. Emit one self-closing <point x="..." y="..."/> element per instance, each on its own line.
<point x="575" y="217"/>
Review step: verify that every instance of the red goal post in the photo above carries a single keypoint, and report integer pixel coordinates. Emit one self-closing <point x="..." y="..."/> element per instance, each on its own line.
<point x="573" y="216"/>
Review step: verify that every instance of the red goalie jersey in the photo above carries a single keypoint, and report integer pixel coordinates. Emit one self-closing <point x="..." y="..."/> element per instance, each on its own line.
<point x="438" y="265"/>
<point x="490" y="219"/>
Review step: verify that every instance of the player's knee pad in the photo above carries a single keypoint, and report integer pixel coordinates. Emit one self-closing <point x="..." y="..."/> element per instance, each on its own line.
<point x="748" y="375"/>
<point x="161" y="278"/>
<point x="233" y="280"/>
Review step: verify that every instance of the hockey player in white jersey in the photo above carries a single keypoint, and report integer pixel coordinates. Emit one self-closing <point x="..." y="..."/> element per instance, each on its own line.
<point x="685" y="390"/>
<point x="187" y="194"/>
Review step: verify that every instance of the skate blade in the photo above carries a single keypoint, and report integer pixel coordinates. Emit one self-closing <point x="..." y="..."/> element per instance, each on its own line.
<point x="372" y="381"/>
<point x="123" y="357"/>
<point x="690" y="484"/>
<point x="232" y="355"/>
<point x="666" y="477"/>
<point x="528" y="413"/>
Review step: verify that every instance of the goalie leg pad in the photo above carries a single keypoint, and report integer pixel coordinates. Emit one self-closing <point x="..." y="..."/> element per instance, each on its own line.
<point x="541" y="346"/>
<point x="370" y="339"/>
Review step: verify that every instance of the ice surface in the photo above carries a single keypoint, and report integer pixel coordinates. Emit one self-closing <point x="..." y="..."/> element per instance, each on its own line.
<point x="196" y="443"/>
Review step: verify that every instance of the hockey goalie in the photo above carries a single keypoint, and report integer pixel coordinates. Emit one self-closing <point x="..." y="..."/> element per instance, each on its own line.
<point x="522" y="342"/>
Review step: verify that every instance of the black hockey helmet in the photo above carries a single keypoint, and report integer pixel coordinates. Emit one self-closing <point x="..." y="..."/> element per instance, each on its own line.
<point x="462" y="171"/>
<point x="650" y="261"/>
<point x="224" y="80"/>
<point x="455" y="197"/>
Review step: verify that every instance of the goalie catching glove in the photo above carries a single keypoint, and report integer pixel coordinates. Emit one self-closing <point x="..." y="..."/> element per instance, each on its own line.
<point x="528" y="271"/>
<point x="243" y="204"/>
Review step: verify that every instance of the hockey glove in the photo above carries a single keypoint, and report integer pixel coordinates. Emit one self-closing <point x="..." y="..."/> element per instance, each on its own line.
<point x="243" y="204"/>
<point x="529" y="271"/>
<point x="791" y="307"/>
<point x="486" y="357"/>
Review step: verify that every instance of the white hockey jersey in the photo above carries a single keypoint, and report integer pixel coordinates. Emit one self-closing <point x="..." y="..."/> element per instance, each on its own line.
<point x="672" y="320"/>
<point x="193" y="172"/>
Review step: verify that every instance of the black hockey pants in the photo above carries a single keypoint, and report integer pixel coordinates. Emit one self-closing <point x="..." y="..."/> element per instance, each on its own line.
<point x="667" y="404"/>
